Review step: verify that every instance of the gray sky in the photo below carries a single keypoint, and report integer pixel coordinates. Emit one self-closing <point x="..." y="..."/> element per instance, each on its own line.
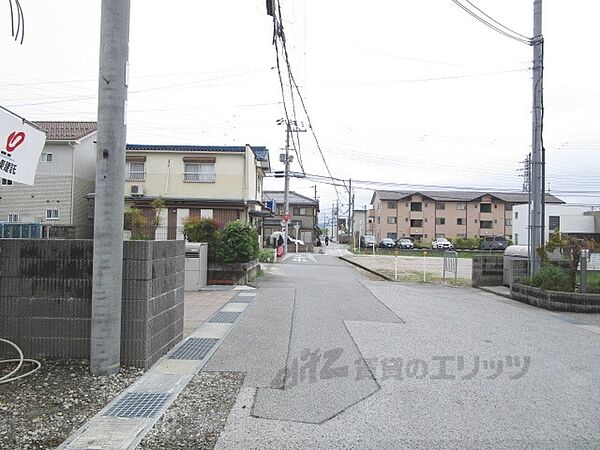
<point x="404" y="92"/>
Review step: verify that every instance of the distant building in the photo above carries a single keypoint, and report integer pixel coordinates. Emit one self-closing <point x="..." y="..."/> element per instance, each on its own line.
<point x="303" y="211"/>
<point x="426" y="215"/>
<point x="66" y="172"/>
<point x="581" y="221"/>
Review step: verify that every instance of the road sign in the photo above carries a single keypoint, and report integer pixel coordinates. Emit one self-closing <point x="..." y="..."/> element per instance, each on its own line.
<point x="282" y="223"/>
<point x="285" y="217"/>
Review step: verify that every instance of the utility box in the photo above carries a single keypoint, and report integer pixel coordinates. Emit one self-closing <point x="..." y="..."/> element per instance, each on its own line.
<point x="196" y="265"/>
<point x="516" y="264"/>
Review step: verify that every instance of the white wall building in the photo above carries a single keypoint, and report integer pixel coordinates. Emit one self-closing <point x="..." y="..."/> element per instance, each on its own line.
<point x="567" y="218"/>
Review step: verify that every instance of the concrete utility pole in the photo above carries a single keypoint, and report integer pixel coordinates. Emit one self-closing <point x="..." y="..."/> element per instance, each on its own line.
<point x="105" y="352"/>
<point x="349" y="225"/>
<point x="537" y="182"/>
<point x="286" y="194"/>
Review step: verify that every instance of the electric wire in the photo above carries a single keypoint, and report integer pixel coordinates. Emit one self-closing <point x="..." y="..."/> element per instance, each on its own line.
<point x="20" y="19"/>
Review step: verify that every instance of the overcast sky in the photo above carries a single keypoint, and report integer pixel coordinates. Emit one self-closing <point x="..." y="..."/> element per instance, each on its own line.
<point x="409" y="92"/>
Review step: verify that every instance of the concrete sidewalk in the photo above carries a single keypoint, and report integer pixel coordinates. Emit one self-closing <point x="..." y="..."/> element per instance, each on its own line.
<point x="199" y="306"/>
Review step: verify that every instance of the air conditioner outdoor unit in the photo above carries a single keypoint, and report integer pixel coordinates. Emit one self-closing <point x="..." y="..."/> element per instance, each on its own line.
<point x="136" y="190"/>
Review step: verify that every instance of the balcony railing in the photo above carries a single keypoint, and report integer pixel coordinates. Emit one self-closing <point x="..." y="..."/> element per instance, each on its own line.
<point x="199" y="177"/>
<point x="136" y="176"/>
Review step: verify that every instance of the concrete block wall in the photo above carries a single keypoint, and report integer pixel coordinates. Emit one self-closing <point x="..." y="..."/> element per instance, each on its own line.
<point x="46" y="291"/>
<point x="488" y="270"/>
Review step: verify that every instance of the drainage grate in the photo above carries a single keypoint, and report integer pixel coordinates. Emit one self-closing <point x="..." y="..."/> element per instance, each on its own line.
<point x="135" y="404"/>
<point x="237" y="299"/>
<point x="194" y="348"/>
<point x="224" y="317"/>
<point x="247" y="294"/>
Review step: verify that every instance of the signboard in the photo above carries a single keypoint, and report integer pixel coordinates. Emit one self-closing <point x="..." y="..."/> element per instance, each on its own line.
<point x="285" y="217"/>
<point x="20" y="148"/>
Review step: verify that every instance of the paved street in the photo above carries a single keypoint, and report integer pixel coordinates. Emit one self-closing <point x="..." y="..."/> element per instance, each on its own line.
<point x="336" y="359"/>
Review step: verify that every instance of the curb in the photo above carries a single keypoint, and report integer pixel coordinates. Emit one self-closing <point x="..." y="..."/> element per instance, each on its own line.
<point x="385" y="277"/>
<point x="491" y="291"/>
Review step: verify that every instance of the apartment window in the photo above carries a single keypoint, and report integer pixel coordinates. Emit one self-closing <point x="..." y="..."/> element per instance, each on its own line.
<point x="516" y="238"/>
<point x="52" y="214"/>
<point x="136" y="171"/>
<point x="6" y="182"/>
<point x="461" y="235"/>
<point x="440" y="205"/>
<point x="460" y="221"/>
<point x="486" y="224"/>
<point x="378" y="220"/>
<point x="416" y="223"/>
<point x="392" y="205"/>
<point x="13" y="217"/>
<point x="393" y="236"/>
<point x="47" y="157"/>
<point x="508" y="222"/>
<point x="440" y="235"/>
<point x="485" y="207"/>
<point x="553" y="223"/>
<point x="461" y="206"/>
<point x="516" y="214"/>
<point x="199" y="173"/>
<point x="391" y="220"/>
<point x="416" y="206"/>
<point x="440" y="221"/>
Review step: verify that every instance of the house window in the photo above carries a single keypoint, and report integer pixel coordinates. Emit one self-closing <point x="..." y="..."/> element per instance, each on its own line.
<point x="516" y="214"/>
<point x="460" y="221"/>
<point x="440" y="205"/>
<point x="304" y="211"/>
<point x="416" y="223"/>
<point x="392" y="205"/>
<point x="199" y="173"/>
<point x="136" y="171"/>
<point x="6" y="182"/>
<point x="13" y="217"/>
<point x="508" y="222"/>
<point x="296" y="211"/>
<point x="461" y="206"/>
<point x="47" y="157"/>
<point x="392" y="236"/>
<point x="516" y="238"/>
<point x="52" y="214"/>
<point x="553" y="223"/>
<point x="486" y="224"/>
<point x="508" y="207"/>
<point x="485" y="207"/>
<point x="416" y="206"/>
<point x="440" y="221"/>
<point x="391" y="220"/>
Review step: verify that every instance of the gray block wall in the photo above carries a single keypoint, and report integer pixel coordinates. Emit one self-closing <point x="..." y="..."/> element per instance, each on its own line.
<point x="488" y="270"/>
<point x="46" y="291"/>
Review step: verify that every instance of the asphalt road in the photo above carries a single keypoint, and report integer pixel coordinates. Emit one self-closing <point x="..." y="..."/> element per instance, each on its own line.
<point x="334" y="359"/>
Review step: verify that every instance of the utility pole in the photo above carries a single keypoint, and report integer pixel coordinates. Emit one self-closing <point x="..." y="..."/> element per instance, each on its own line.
<point x="286" y="194"/>
<point x="337" y="220"/>
<point x="105" y="350"/>
<point x="315" y="186"/>
<point x="537" y="182"/>
<point x="349" y="225"/>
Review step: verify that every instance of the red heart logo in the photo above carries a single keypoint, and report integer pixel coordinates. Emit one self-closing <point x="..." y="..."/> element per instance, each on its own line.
<point x="14" y="140"/>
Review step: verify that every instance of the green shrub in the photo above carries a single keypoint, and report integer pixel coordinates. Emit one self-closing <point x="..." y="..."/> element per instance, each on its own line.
<point x="551" y="278"/>
<point x="594" y="286"/>
<point x="265" y="255"/>
<point x="196" y="229"/>
<point x="466" y="242"/>
<point x="239" y="243"/>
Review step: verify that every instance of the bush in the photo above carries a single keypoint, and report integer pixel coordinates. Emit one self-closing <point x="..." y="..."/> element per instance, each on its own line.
<point x="466" y="242"/>
<point x="196" y="229"/>
<point x="239" y="243"/>
<point x="594" y="286"/>
<point x="551" y="278"/>
<point x="265" y="255"/>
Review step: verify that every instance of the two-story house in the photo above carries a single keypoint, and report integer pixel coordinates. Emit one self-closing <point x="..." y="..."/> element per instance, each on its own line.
<point x="65" y="175"/>
<point x="425" y="215"/>
<point x="224" y="183"/>
<point x="303" y="212"/>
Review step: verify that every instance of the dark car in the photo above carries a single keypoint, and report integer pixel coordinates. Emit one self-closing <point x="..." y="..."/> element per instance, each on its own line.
<point x="405" y="243"/>
<point x="387" y="243"/>
<point x="367" y="241"/>
<point x="493" y="243"/>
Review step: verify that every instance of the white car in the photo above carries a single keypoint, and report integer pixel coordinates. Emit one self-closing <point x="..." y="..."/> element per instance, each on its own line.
<point x="442" y="243"/>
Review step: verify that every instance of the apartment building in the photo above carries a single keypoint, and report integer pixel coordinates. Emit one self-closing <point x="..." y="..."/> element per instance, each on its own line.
<point x="224" y="183"/>
<point x="425" y="215"/>
<point x="303" y="211"/>
<point x="65" y="175"/>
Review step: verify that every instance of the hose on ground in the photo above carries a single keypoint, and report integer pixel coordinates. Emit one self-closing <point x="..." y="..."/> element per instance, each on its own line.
<point x="12" y="376"/>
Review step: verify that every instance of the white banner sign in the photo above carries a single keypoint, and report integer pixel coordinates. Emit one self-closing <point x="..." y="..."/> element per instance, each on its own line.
<point x="20" y="148"/>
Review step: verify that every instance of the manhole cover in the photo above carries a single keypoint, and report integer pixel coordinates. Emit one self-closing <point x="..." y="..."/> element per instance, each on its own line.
<point x="194" y="348"/>
<point x="224" y="317"/>
<point x="135" y="404"/>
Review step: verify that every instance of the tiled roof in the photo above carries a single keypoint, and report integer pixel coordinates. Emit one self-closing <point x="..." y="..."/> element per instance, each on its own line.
<point x="261" y="153"/>
<point x="463" y="196"/>
<point x="294" y="198"/>
<point x="66" y="131"/>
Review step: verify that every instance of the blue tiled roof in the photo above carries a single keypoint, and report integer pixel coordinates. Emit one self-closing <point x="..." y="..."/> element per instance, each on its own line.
<point x="261" y="153"/>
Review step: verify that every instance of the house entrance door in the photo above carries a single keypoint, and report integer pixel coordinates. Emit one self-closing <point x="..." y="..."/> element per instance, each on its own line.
<point x="172" y="224"/>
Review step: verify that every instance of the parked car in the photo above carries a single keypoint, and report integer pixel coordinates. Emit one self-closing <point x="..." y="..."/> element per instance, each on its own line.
<point x="493" y="243"/>
<point x="405" y="243"/>
<point x="367" y="241"/>
<point x="387" y="243"/>
<point x="442" y="243"/>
